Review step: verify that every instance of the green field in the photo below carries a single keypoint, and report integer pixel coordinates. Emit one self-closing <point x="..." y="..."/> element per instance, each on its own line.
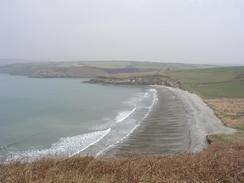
<point x="213" y="82"/>
<point x="208" y="81"/>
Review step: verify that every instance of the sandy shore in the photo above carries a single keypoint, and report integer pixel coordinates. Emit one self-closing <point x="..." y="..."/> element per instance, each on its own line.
<point x="201" y="120"/>
<point x="178" y="123"/>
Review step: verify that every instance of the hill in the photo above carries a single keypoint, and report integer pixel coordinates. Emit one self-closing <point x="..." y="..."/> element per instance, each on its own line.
<point x="212" y="82"/>
<point x="90" y="68"/>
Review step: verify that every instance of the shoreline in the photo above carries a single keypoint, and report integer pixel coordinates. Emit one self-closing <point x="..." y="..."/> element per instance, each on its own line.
<point x="202" y="120"/>
<point x="187" y="129"/>
<point x="181" y="126"/>
<point x="136" y="123"/>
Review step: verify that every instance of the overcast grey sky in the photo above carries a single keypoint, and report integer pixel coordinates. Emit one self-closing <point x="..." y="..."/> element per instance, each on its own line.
<point x="189" y="31"/>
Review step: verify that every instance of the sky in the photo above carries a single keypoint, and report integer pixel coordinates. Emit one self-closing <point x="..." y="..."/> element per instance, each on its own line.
<point x="184" y="31"/>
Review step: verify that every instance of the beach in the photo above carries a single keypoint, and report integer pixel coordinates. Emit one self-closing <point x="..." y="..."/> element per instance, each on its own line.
<point x="179" y="122"/>
<point x="151" y="119"/>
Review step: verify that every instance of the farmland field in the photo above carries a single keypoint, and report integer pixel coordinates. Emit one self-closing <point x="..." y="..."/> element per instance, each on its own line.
<point x="225" y="82"/>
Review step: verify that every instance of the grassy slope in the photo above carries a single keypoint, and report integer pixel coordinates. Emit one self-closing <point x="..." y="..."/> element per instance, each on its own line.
<point x="134" y="64"/>
<point x="69" y="68"/>
<point x="223" y="90"/>
<point x="214" y="82"/>
<point x="220" y="163"/>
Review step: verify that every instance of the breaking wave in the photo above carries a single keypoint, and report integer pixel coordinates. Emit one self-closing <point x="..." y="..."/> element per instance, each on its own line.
<point x="123" y="115"/>
<point x="143" y="112"/>
<point x="99" y="141"/>
<point x="66" y="147"/>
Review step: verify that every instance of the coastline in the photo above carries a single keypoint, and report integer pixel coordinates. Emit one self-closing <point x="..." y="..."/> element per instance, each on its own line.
<point x="181" y="126"/>
<point x="221" y="162"/>
<point x="202" y="120"/>
<point x="107" y="144"/>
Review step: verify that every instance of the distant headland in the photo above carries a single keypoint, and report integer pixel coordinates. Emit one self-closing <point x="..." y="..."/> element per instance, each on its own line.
<point x="143" y="79"/>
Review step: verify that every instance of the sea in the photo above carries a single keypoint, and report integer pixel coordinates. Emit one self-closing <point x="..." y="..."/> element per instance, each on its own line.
<point x="49" y="117"/>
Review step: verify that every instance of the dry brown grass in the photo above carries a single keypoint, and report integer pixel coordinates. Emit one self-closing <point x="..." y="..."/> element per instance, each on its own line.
<point x="220" y="163"/>
<point x="231" y="111"/>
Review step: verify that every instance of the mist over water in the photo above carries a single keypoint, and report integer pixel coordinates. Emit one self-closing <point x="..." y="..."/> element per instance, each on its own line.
<point x="40" y="117"/>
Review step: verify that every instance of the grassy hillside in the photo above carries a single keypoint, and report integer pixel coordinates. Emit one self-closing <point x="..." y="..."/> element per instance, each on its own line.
<point x="220" y="163"/>
<point x="213" y="82"/>
<point x="90" y="68"/>
<point x="115" y="64"/>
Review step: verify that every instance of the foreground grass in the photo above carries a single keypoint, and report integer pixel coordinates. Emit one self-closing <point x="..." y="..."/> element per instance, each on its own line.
<point x="219" y="163"/>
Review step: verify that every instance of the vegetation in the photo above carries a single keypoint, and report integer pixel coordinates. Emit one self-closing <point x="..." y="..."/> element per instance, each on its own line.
<point x="223" y="90"/>
<point x="231" y="112"/>
<point x="90" y="68"/>
<point x="225" y="82"/>
<point x="219" y="163"/>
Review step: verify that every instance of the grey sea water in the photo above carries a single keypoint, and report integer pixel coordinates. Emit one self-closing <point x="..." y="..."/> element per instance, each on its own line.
<point x="65" y="117"/>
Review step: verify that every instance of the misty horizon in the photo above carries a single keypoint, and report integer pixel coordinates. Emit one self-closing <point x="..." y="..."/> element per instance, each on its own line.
<point x="187" y="31"/>
<point x="4" y="62"/>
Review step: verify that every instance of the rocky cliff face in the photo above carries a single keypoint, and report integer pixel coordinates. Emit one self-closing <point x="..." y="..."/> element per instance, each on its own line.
<point x="138" y="80"/>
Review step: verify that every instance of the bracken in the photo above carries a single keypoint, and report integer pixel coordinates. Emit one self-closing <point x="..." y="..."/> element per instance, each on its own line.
<point x="219" y="163"/>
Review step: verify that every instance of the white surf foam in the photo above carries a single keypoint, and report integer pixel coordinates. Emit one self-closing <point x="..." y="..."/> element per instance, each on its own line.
<point x="71" y="146"/>
<point x="137" y="98"/>
<point x="117" y="142"/>
<point x="124" y="115"/>
<point x="153" y="93"/>
<point x="154" y="101"/>
<point x="65" y="147"/>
